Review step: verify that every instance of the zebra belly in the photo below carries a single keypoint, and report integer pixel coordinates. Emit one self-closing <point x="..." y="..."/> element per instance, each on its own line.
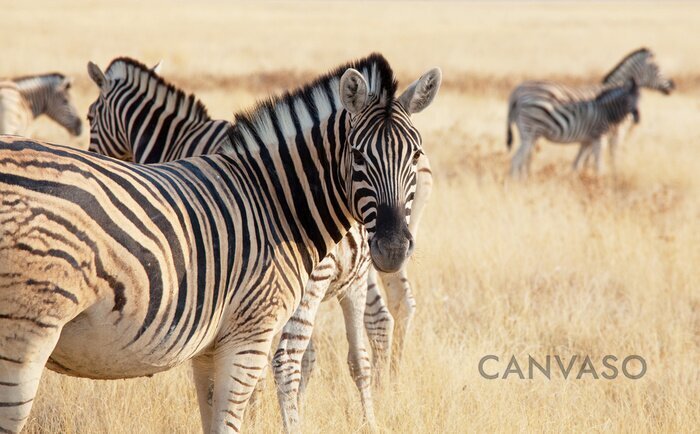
<point x="568" y="140"/>
<point x="91" y="348"/>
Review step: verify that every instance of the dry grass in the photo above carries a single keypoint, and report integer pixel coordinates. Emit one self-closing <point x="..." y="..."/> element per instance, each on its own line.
<point x="562" y="264"/>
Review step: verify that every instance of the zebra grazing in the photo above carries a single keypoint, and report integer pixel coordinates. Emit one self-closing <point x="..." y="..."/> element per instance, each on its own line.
<point x="543" y="100"/>
<point x="343" y="273"/>
<point x="115" y="270"/>
<point x="23" y="99"/>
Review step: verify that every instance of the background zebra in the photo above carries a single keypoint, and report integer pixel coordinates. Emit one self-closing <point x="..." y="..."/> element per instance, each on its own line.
<point x="582" y="121"/>
<point x="178" y="126"/>
<point x="139" y="268"/>
<point x="547" y="98"/>
<point x="23" y="99"/>
<point x="140" y="117"/>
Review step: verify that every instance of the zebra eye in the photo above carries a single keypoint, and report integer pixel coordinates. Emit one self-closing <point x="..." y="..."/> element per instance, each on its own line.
<point x="357" y="157"/>
<point x="416" y="156"/>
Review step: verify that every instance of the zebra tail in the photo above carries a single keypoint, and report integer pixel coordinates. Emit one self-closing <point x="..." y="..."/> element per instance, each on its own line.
<point x="509" y="137"/>
<point x="509" y="134"/>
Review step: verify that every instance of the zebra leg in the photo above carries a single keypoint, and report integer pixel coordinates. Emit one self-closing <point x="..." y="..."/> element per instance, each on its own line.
<point x="307" y="367"/>
<point x="353" y="305"/>
<point x="613" y="140"/>
<point x="403" y="307"/>
<point x="257" y="392"/>
<point x="295" y="339"/>
<point x="22" y="360"/>
<point x="203" y="372"/>
<point x="596" y="154"/>
<point x="379" y="324"/>
<point x="583" y="154"/>
<point x="521" y="157"/>
<point x="237" y="368"/>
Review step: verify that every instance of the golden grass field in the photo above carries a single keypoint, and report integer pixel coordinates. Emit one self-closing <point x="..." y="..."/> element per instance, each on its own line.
<point x="562" y="264"/>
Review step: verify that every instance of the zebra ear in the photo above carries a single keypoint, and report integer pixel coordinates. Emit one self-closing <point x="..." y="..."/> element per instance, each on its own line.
<point x="157" y="66"/>
<point x="97" y="76"/>
<point x="65" y="84"/>
<point x="354" y="92"/>
<point x="421" y="92"/>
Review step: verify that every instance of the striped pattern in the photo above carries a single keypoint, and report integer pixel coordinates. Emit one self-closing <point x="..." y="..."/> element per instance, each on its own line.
<point x="548" y="97"/>
<point x="140" y="117"/>
<point x="25" y="98"/>
<point x="342" y="274"/>
<point x="582" y="121"/>
<point x="139" y="268"/>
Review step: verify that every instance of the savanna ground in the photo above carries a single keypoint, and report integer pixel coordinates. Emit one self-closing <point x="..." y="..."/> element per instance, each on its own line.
<point x="562" y="264"/>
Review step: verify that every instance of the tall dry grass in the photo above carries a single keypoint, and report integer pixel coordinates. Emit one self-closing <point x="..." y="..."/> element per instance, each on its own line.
<point x="562" y="264"/>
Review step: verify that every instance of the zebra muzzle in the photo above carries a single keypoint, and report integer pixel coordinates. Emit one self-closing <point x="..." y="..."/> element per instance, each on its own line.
<point x="389" y="253"/>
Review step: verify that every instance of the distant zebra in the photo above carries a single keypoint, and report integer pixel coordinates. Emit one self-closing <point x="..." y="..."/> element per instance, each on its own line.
<point x="583" y="121"/>
<point x="546" y="97"/>
<point x="116" y="270"/>
<point x="25" y="98"/>
<point x="177" y="127"/>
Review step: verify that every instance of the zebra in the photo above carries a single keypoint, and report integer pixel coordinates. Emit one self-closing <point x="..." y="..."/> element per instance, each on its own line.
<point x="157" y="121"/>
<point x="116" y="270"/>
<point x="25" y="98"/>
<point x="168" y="135"/>
<point x="546" y="97"/>
<point x="584" y="121"/>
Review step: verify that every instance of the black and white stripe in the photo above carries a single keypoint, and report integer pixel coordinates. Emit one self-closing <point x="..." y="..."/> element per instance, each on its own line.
<point x="139" y="268"/>
<point x="144" y="119"/>
<point x="129" y="91"/>
<point x="544" y="100"/>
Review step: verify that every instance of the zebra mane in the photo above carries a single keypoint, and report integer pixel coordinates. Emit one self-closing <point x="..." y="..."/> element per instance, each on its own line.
<point x="641" y="51"/>
<point x="119" y="67"/>
<point x="316" y="100"/>
<point x="25" y="81"/>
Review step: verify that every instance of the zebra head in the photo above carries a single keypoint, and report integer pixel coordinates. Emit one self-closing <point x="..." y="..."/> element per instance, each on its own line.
<point x="641" y="66"/>
<point x="383" y="150"/>
<point x="60" y="107"/>
<point x="107" y="135"/>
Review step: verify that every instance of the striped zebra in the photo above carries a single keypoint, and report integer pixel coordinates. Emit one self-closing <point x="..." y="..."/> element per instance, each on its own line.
<point x="140" y="117"/>
<point x="25" y="98"/>
<point x="129" y="91"/>
<point x="547" y="98"/>
<point x="583" y="121"/>
<point x="116" y="270"/>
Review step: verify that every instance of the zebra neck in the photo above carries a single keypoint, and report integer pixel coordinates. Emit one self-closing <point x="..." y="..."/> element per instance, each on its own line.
<point x="300" y="163"/>
<point x="626" y="69"/>
<point x="148" y="148"/>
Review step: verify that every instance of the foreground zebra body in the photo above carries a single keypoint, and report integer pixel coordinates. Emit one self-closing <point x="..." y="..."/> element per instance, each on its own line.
<point x="177" y="127"/>
<point x="140" y="268"/>
<point x="23" y="99"/>
<point x="544" y="100"/>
